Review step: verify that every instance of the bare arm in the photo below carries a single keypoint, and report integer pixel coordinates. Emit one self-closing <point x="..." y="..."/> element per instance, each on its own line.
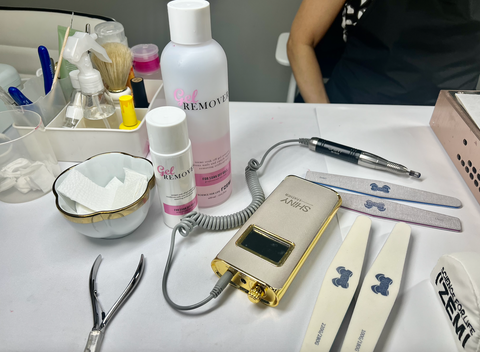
<point x="312" y="21"/>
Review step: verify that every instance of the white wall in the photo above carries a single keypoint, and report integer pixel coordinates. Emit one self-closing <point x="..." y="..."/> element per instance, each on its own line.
<point x="247" y="30"/>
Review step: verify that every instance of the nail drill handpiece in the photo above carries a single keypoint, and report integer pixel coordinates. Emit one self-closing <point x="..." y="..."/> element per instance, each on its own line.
<point x="357" y="156"/>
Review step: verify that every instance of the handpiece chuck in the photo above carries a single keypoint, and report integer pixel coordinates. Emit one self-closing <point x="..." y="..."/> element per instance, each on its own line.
<point x="375" y="162"/>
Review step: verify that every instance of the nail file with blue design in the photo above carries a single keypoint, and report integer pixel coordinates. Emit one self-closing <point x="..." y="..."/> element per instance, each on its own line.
<point x="382" y="189"/>
<point x="386" y="209"/>
<point x="378" y="293"/>
<point x="338" y="287"/>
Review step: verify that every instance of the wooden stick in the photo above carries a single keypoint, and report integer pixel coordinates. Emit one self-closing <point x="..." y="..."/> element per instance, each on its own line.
<point x="59" y="64"/>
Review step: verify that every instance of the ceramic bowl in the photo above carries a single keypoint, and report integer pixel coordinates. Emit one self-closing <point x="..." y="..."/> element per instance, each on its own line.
<point x="112" y="223"/>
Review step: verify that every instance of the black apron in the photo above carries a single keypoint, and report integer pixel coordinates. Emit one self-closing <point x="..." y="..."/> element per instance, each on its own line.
<point x="406" y="51"/>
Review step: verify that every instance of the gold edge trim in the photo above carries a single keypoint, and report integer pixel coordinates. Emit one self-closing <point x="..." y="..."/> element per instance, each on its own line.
<point x="117" y="90"/>
<point x="111" y="214"/>
<point x="225" y="265"/>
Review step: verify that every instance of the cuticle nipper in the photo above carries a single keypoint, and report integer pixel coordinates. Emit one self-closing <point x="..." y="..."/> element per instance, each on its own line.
<point x="100" y="319"/>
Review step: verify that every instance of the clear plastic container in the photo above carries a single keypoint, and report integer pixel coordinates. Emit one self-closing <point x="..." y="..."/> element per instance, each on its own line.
<point x="28" y="166"/>
<point x="110" y="32"/>
<point x="47" y="106"/>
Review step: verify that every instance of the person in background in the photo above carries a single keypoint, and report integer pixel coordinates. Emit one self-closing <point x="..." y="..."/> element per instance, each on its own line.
<point x="395" y="51"/>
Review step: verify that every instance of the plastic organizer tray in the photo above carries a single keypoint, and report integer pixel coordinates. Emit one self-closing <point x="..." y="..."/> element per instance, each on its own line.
<point x="78" y="144"/>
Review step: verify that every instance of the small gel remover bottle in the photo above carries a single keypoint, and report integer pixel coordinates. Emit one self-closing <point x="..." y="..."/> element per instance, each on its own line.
<point x="171" y="153"/>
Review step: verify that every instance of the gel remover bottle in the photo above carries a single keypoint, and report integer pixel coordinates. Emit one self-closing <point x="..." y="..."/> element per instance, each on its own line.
<point x="194" y="70"/>
<point x="171" y="153"/>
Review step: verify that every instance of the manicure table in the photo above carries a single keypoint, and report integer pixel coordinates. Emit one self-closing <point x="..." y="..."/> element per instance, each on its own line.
<point x="45" y="263"/>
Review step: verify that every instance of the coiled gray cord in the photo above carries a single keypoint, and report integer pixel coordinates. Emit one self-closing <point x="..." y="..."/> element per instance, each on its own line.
<point x="221" y="223"/>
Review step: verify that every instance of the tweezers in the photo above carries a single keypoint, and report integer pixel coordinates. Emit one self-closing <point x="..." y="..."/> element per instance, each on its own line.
<point x="100" y="319"/>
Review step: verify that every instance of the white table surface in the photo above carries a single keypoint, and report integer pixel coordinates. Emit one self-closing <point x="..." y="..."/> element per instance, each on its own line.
<point x="45" y="264"/>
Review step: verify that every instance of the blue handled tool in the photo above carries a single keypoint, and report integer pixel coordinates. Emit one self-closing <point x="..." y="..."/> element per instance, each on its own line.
<point x="6" y="98"/>
<point x="47" y="68"/>
<point x="18" y="96"/>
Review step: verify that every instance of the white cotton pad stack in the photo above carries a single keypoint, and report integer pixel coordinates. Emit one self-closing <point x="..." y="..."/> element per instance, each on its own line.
<point x="26" y="176"/>
<point x="112" y="185"/>
<point x="91" y="197"/>
<point x="133" y="187"/>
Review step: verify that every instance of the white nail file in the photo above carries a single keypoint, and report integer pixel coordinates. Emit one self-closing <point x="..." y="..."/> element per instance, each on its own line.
<point x="338" y="287"/>
<point x="386" y="209"/>
<point x="382" y="189"/>
<point x="378" y="293"/>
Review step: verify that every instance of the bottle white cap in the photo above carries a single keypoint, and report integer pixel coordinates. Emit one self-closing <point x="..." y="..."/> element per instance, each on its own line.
<point x="74" y="78"/>
<point x="167" y="130"/>
<point x="91" y="83"/>
<point x="189" y="21"/>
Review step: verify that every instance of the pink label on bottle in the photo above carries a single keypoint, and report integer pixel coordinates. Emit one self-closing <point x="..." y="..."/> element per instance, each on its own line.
<point x="180" y="209"/>
<point x="213" y="178"/>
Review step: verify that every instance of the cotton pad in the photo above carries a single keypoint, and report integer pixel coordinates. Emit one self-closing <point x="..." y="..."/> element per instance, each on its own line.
<point x="456" y="280"/>
<point x="133" y="187"/>
<point x="26" y="176"/>
<point x="112" y="185"/>
<point x="82" y="190"/>
<point x="90" y="197"/>
<point x="41" y="178"/>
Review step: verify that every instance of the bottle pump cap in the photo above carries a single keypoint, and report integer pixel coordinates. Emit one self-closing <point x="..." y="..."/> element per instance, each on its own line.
<point x="76" y="52"/>
<point x="167" y="130"/>
<point x="189" y="21"/>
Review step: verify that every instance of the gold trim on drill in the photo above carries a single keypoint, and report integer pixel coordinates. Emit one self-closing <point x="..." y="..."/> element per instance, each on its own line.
<point x="272" y="295"/>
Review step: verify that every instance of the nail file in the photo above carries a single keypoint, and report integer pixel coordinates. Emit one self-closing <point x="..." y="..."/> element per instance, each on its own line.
<point x="394" y="211"/>
<point x="378" y="293"/>
<point x="382" y="189"/>
<point x="338" y="287"/>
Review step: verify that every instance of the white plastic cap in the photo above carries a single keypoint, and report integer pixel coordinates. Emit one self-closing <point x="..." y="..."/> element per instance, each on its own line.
<point x="167" y="130"/>
<point x="110" y="32"/>
<point x="91" y="82"/>
<point x="74" y="79"/>
<point x="9" y="77"/>
<point x="189" y="21"/>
